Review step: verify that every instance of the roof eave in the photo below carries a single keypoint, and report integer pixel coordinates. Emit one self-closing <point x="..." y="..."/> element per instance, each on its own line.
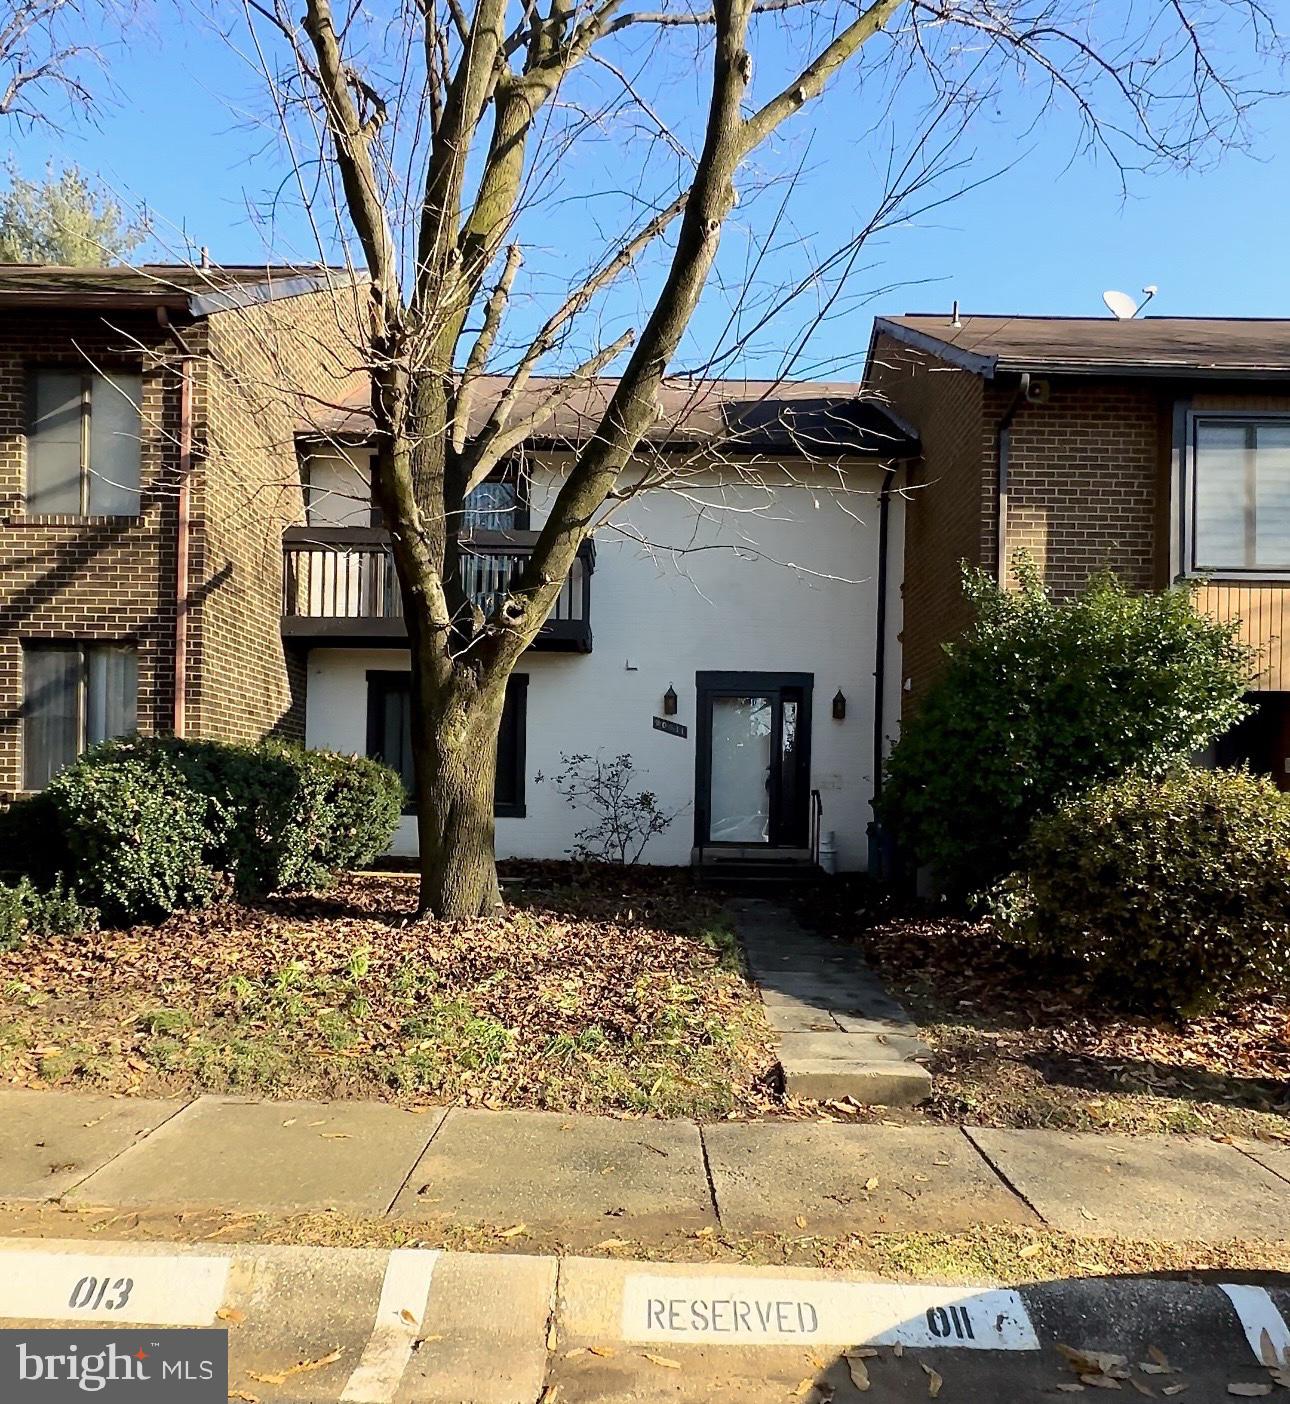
<point x="934" y="346"/>
<point x="1156" y="370"/>
<point x="93" y="301"/>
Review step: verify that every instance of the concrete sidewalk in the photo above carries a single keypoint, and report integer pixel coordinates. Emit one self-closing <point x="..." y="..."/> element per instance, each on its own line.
<point x="587" y="1178"/>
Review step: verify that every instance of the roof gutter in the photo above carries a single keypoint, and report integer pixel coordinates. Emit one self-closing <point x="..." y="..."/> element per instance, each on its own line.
<point x="1003" y="446"/>
<point x="183" y="517"/>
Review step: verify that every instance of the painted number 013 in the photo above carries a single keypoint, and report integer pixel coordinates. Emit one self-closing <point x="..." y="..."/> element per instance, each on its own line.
<point x="944" y="1322"/>
<point x="91" y="1293"/>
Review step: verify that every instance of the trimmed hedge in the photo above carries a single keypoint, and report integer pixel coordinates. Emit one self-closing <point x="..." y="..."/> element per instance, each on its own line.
<point x="26" y="912"/>
<point x="151" y="825"/>
<point x="1174" y="893"/>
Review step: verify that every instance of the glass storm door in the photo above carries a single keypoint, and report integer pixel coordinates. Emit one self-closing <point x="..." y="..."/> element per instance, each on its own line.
<point x="754" y="766"/>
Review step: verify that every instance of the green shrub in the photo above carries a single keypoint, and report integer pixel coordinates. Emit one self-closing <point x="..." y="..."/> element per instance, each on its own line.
<point x="1174" y="892"/>
<point x="138" y="835"/>
<point x="26" y="912"/>
<point x="152" y="825"/>
<point x="1041" y="700"/>
<point x="31" y="843"/>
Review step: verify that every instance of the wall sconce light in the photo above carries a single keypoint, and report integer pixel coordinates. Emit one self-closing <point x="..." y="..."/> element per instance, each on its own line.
<point x="669" y="701"/>
<point x="839" y="706"/>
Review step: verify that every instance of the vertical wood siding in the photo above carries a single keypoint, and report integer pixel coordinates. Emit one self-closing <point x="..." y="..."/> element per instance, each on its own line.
<point x="1264" y="612"/>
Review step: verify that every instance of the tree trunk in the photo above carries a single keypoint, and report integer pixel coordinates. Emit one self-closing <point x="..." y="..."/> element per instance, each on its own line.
<point x="454" y="747"/>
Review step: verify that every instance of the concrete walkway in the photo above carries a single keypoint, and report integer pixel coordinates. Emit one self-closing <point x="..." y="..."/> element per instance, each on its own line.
<point x="585" y="1178"/>
<point x="840" y="1033"/>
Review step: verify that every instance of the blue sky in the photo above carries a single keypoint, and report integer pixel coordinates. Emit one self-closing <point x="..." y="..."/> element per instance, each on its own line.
<point x="1047" y="235"/>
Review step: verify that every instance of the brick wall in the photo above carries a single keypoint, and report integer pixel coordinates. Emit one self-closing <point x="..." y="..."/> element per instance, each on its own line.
<point x="269" y="366"/>
<point x="1087" y="487"/>
<point x="256" y="374"/>
<point x="97" y="579"/>
<point x="1085" y="474"/>
<point x="949" y="511"/>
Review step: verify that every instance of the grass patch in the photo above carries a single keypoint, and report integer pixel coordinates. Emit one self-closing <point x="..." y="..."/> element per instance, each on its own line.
<point x="620" y="991"/>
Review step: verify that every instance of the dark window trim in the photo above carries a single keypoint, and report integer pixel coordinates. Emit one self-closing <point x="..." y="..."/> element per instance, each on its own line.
<point x="381" y="681"/>
<point x="517" y="686"/>
<point x="1191" y="421"/>
<point x="740" y="684"/>
<point x="106" y="367"/>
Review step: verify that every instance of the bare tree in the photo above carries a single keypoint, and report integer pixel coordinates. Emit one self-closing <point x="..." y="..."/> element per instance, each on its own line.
<point x="44" y="51"/>
<point x="436" y="123"/>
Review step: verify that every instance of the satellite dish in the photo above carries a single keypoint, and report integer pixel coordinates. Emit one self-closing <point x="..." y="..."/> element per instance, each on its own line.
<point x="1120" y="304"/>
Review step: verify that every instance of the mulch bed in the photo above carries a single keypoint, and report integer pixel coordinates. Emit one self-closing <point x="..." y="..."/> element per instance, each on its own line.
<point x="1019" y="1042"/>
<point x="595" y="990"/>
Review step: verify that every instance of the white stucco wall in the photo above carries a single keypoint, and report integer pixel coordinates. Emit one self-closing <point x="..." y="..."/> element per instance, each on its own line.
<point x="738" y="582"/>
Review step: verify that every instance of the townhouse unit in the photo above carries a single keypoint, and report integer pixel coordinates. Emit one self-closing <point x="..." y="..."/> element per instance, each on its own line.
<point x="721" y="629"/>
<point x="147" y="470"/>
<point x="1157" y="447"/>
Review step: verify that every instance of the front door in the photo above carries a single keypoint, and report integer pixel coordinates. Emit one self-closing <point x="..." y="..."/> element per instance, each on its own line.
<point x="753" y="759"/>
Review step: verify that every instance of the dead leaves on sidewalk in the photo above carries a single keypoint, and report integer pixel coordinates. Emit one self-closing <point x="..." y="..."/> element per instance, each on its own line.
<point x="302" y="1367"/>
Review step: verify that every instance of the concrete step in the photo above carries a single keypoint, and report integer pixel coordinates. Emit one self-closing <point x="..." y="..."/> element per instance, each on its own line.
<point x="853" y="1048"/>
<point x="888" y="1083"/>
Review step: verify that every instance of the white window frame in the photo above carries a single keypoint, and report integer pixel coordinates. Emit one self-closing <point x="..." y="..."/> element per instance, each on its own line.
<point x="1191" y="421"/>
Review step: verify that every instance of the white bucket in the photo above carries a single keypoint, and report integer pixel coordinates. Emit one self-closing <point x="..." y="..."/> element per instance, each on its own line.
<point x="828" y="852"/>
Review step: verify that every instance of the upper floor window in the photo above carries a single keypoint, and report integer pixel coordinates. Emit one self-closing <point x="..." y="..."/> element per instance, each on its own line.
<point x="1240" y="494"/>
<point x="83" y="444"/>
<point x="495" y="505"/>
<point x="73" y="696"/>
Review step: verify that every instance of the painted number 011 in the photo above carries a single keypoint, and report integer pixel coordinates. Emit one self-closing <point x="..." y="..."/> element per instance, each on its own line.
<point x="91" y="1293"/>
<point x="944" y="1322"/>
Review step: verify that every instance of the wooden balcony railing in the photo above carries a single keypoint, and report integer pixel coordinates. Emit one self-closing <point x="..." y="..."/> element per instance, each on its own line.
<point x="339" y="586"/>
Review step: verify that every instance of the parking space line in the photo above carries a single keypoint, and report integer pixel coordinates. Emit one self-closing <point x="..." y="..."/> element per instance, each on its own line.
<point x="400" y="1313"/>
<point x="1263" y="1324"/>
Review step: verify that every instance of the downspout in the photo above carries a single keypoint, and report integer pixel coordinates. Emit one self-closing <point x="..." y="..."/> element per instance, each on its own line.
<point x="876" y="863"/>
<point x="1003" y="444"/>
<point x="183" y="515"/>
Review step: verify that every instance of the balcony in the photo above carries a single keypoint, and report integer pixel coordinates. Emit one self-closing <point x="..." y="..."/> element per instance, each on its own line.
<point x="339" y="587"/>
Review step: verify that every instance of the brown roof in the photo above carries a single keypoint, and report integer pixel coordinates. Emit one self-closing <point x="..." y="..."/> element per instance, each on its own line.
<point x="1201" y="346"/>
<point x="198" y="291"/>
<point x="749" y="415"/>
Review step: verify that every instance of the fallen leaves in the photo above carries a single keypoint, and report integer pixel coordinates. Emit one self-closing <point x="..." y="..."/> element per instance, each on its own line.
<point x="934" y="1380"/>
<point x="231" y="1315"/>
<point x="268" y="998"/>
<point x="859" y="1372"/>
<point x="665" y="1362"/>
<point x="302" y="1367"/>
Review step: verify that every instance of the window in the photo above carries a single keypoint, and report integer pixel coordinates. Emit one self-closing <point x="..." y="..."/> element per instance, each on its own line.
<point x="389" y="736"/>
<point x="500" y="503"/>
<point x="1240" y="498"/>
<point x="73" y="697"/>
<point x="83" y="444"/>
<point x="495" y="505"/>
